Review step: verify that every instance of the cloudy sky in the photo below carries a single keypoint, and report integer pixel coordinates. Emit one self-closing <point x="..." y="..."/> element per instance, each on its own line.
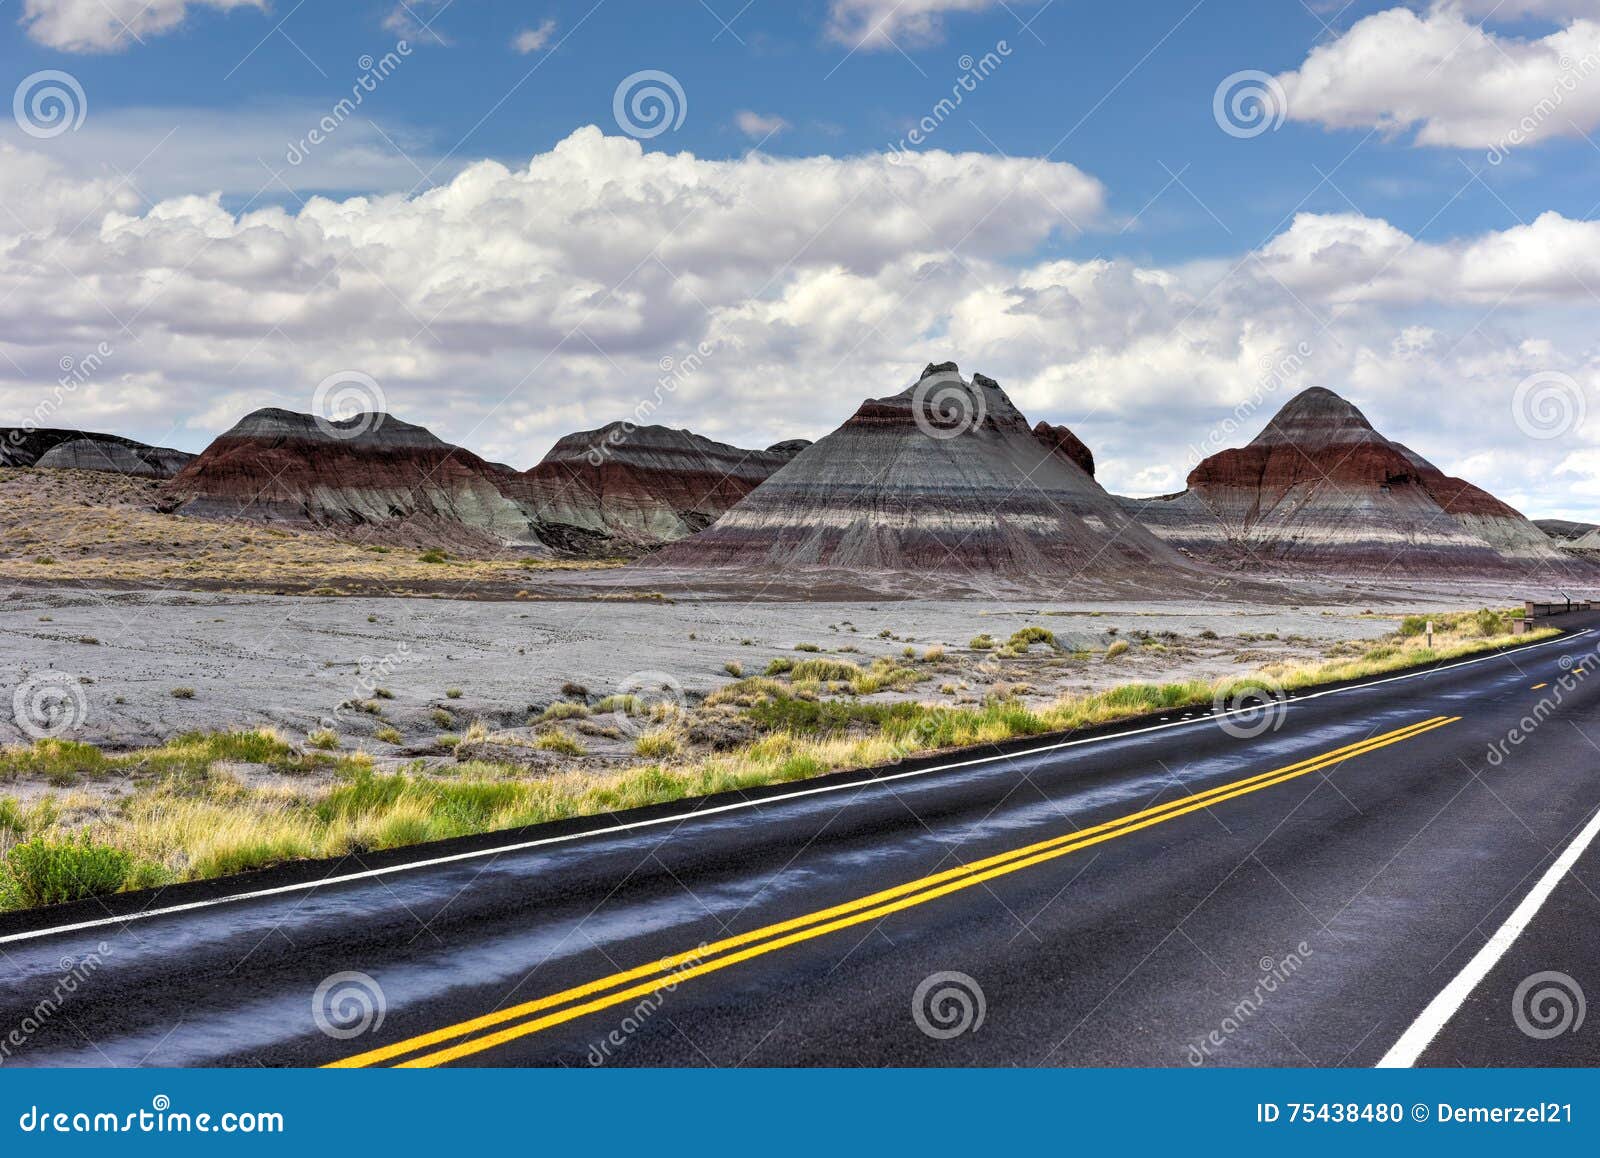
<point x="509" y="220"/>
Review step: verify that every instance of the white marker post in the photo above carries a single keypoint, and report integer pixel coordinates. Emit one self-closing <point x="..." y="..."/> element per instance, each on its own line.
<point x="1430" y="635"/>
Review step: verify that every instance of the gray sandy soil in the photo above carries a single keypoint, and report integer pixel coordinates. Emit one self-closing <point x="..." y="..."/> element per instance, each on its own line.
<point x="291" y="662"/>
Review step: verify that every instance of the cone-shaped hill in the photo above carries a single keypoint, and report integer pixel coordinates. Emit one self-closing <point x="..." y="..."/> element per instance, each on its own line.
<point x="1320" y="489"/>
<point x="946" y="476"/>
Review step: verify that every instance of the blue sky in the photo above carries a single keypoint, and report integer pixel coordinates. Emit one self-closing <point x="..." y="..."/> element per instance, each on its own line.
<point x="1083" y="226"/>
<point x="1122" y="91"/>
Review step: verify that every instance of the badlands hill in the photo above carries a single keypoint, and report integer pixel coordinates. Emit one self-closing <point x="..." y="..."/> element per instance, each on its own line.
<point x="624" y="488"/>
<point x="946" y="476"/>
<point x="87" y="450"/>
<point x="1322" y="491"/>
<point x="618" y="490"/>
<point x="371" y="471"/>
<point x="1570" y="536"/>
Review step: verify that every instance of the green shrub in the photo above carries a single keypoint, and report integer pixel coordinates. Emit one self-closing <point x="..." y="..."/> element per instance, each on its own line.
<point x="1028" y="636"/>
<point x="441" y="718"/>
<point x="806" y="647"/>
<point x="734" y="668"/>
<point x="984" y="642"/>
<point x="325" y="739"/>
<point x="11" y="818"/>
<point x="1116" y="649"/>
<point x="824" y="669"/>
<point x="657" y="744"/>
<point x="50" y="872"/>
<point x="452" y="693"/>
<point x="627" y="705"/>
<point x="779" y="666"/>
<point x="563" y="710"/>
<point x="558" y="741"/>
<point x="387" y="734"/>
<point x="183" y="693"/>
<point x="434" y="556"/>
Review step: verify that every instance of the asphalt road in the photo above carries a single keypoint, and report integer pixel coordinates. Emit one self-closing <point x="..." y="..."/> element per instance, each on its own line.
<point x="1181" y="895"/>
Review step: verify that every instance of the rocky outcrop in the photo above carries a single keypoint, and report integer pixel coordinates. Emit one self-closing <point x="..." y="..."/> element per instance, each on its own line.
<point x="115" y="457"/>
<point x="624" y="489"/>
<point x="87" y="450"/>
<point x="1063" y="441"/>
<point x="1320" y="489"/>
<point x="946" y="476"/>
<point x="1564" y="530"/>
<point x="395" y="481"/>
<point x="1571" y="536"/>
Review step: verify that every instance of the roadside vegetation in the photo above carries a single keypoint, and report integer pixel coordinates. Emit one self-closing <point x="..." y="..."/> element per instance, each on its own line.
<point x="188" y="811"/>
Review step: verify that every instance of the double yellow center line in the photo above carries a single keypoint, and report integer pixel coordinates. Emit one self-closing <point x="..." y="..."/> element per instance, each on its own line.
<point x="504" y="1025"/>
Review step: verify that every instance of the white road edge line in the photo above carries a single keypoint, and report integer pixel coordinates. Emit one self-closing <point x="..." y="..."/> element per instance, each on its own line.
<point x="1405" y="1052"/>
<point x="682" y="817"/>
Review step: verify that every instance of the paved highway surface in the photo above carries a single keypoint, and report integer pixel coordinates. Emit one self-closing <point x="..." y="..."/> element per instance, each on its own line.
<point x="1370" y="878"/>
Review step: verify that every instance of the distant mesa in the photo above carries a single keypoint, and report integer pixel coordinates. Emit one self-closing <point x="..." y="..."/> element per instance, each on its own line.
<point x="1570" y="536"/>
<point x="624" y="489"/>
<point x="947" y="476"/>
<point x="1319" y="489"/>
<point x="616" y="491"/>
<point x="87" y="450"/>
<point x="396" y="481"/>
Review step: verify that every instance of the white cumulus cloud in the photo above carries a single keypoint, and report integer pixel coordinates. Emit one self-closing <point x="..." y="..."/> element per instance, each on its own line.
<point x="1450" y="81"/>
<point x="111" y="25"/>
<point x="531" y="40"/>
<point x="515" y="304"/>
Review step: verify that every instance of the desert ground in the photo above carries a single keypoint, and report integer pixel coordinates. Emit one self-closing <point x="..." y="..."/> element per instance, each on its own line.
<point x="244" y="660"/>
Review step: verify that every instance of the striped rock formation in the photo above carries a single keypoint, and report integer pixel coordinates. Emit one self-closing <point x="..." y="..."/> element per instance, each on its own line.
<point x="1320" y="490"/>
<point x="619" y="490"/>
<point x="624" y="489"/>
<point x="1570" y="536"/>
<point x="394" y="481"/>
<point x="87" y="450"/>
<point x="946" y="476"/>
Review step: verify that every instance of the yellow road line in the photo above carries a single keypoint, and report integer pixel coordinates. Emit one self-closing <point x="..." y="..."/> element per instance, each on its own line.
<point x="843" y="916"/>
<point x="1536" y="687"/>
